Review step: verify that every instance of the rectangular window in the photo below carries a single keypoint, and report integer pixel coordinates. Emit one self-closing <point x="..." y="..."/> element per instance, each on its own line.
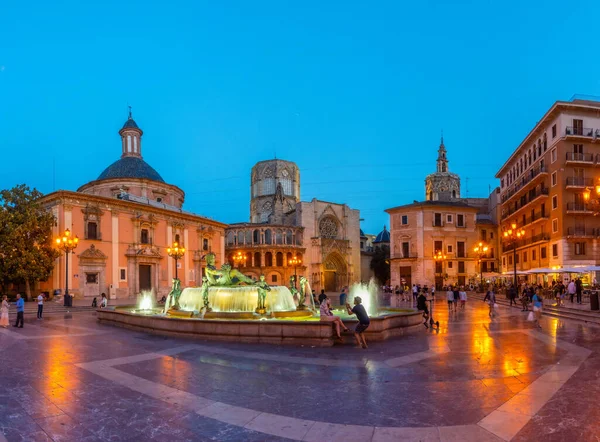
<point x="502" y="183"/>
<point x="553" y="155"/>
<point x="437" y="220"/>
<point x="449" y="264"/>
<point x="543" y="253"/>
<point x="437" y="247"/>
<point x="92" y="230"/>
<point x="577" y="127"/>
<point x="492" y="266"/>
<point x="273" y="278"/>
<point x="405" y="249"/>
<point x="504" y="261"/>
<point x="577" y="149"/>
<point x="460" y="220"/>
<point x="579" y="248"/>
<point x="461" y="267"/>
<point x="554" y="202"/>
<point x="484" y="266"/>
<point x="404" y="220"/>
<point x="122" y="274"/>
<point x="524" y="256"/>
<point x="460" y="249"/>
<point x="554" y="131"/>
<point x="91" y="278"/>
<point x="144" y="239"/>
<point x="510" y="260"/>
<point x="449" y="248"/>
<point x="533" y="255"/>
<point x="517" y="258"/>
<point x="553" y="179"/>
<point x="448" y="218"/>
<point x="484" y="235"/>
<point x="554" y="250"/>
<point x="555" y="225"/>
<point x="491" y="235"/>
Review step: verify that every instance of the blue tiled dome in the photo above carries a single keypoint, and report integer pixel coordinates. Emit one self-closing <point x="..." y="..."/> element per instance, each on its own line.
<point x="130" y="124"/>
<point x="384" y="236"/>
<point x="130" y="167"/>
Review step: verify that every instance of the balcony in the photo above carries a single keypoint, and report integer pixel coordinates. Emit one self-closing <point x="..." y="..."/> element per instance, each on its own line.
<point x="525" y="180"/>
<point x="533" y="195"/>
<point x="506" y="246"/>
<point x="436" y="224"/>
<point x="579" y="182"/>
<point x="575" y="131"/>
<point x="412" y="255"/>
<point x="579" y="158"/>
<point x="582" y="232"/>
<point x="533" y="219"/>
<point x="578" y="208"/>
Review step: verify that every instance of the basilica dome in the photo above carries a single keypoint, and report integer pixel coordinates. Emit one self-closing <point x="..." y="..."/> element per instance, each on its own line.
<point x="130" y="167"/>
<point x="383" y="236"/>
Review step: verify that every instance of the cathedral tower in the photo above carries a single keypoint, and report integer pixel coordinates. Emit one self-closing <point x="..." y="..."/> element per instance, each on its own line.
<point x="131" y="138"/>
<point x="442" y="185"/>
<point x="275" y="190"/>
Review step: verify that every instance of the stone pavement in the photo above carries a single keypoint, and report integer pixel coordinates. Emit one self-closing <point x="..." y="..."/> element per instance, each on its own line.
<point x="68" y="378"/>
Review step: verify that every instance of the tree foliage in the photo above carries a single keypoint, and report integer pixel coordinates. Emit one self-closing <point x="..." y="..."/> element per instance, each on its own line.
<point x="380" y="264"/>
<point x="26" y="249"/>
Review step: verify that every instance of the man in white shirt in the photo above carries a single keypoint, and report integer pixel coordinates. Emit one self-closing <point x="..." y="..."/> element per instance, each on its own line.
<point x="571" y="289"/>
<point x="40" y="300"/>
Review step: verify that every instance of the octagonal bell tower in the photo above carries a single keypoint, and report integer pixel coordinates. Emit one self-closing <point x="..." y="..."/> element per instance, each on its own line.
<point x="442" y="185"/>
<point x="275" y="190"/>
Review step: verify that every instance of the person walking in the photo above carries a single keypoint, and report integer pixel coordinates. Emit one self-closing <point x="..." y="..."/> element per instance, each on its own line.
<point x="4" y="312"/>
<point x="571" y="290"/>
<point x="422" y="307"/>
<point x="415" y="292"/>
<point x="40" y="300"/>
<point x="492" y="301"/>
<point x="578" y="289"/>
<point x="463" y="297"/>
<point x="20" y="311"/>
<point x="450" y="298"/>
<point x="512" y="294"/>
<point x="343" y="297"/>
<point x="537" y="307"/>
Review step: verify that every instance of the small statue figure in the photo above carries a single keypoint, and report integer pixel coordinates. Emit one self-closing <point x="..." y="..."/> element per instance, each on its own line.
<point x="301" y="305"/>
<point x="224" y="277"/>
<point x="206" y="307"/>
<point x="263" y="288"/>
<point x="293" y="290"/>
<point x="172" y="300"/>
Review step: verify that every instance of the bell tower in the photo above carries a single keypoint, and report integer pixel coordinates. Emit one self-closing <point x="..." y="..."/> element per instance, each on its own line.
<point x="131" y="138"/>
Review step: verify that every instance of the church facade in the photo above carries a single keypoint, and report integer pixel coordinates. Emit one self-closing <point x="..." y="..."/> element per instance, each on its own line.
<point x="286" y="236"/>
<point x="125" y="220"/>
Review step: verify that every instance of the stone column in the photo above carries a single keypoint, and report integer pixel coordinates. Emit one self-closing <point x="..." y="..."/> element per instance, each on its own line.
<point x="115" y="255"/>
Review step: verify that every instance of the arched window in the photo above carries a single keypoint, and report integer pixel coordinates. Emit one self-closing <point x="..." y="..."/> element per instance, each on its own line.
<point x="145" y="237"/>
<point x="257" y="262"/>
<point x="545" y="143"/>
<point x="454" y="194"/>
<point x="256" y="236"/>
<point x="288" y="257"/>
<point x="268" y="239"/>
<point x="299" y="256"/>
<point x="249" y="259"/>
<point x="289" y="237"/>
<point x="205" y="244"/>
<point x="230" y="238"/>
<point x="248" y="237"/>
<point x="279" y="237"/>
<point x="268" y="259"/>
<point x="279" y="259"/>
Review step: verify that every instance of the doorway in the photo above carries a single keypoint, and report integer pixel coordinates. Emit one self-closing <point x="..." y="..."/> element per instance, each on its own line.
<point x="145" y="277"/>
<point x="330" y="281"/>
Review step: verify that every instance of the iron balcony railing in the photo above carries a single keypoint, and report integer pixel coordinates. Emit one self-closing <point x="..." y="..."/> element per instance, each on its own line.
<point x="573" y="181"/>
<point x="509" y="245"/>
<point x="583" y="232"/>
<point x="577" y="207"/>
<point x="580" y="157"/>
<point x="533" y="173"/>
<point x="528" y="197"/>
<point x="581" y="131"/>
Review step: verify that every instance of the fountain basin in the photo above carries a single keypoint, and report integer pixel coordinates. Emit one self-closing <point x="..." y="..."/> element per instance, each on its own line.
<point x="297" y="331"/>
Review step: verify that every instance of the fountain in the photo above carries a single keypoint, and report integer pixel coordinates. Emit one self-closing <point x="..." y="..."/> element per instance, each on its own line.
<point x="231" y="306"/>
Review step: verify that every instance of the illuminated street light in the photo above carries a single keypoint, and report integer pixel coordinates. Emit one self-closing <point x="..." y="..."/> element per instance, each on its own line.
<point x="176" y="253"/>
<point x="67" y="244"/>
<point x="481" y="250"/>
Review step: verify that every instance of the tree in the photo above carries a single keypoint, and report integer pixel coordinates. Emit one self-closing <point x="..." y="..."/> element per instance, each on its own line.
<point x="26" y="249"/>
<point x="380" y="263"/>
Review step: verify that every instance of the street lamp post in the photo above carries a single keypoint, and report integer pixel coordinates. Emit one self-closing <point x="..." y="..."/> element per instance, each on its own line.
<point x="67" y="245"/>
<point x="295" y="261"/>
<point x="481" y="250"/>
<point x="513" y="234"/>
<point x="438" y="256"/>
<point x="176" y="253"/>
<point x="239" y="258"/>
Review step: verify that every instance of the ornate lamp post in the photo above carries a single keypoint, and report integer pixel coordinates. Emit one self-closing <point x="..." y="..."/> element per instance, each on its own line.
<point x="295" y="261"/>
<point x="240" y="258"/>
<point x="176" y="253"/>
<point x="513" y="234"/>
<point x="67" y="244"/>
<point x="481" y="250"/>
<point x="438" y="256"/>
<point x="594" y="203"/>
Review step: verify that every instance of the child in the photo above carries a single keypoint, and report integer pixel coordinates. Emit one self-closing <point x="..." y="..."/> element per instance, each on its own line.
<point x="450" y="298"/>
<point x="463" y="297"/>
<point x="363" y="321"/>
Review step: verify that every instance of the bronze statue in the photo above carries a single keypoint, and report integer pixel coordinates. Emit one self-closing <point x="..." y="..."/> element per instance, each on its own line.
<point x="173" y="296"/>
<point x="263" y="288"/>
<point x="226" y="276"/>
<point x="301" y="305"/>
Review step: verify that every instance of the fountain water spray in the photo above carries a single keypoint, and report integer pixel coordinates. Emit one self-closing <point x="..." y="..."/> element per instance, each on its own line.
<point x="146" y="300"/>
<point x="368" y="293"/>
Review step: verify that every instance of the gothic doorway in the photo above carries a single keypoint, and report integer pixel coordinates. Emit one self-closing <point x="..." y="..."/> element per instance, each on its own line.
<point x="335" y="272"/>
<point x="145" y="275"/>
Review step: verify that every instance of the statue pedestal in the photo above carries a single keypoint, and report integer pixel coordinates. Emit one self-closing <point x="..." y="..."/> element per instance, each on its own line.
<point x="302" y="307"/>
<point x="179" y="313"/>
<point x="261" y="311"/>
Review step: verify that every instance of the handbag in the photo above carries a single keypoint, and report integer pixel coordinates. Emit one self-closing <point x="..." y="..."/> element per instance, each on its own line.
<point x="530" y="317"/>
<point x="495" y="305"/>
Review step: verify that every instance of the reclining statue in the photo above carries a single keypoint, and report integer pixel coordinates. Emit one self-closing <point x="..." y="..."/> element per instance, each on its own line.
<point x="226" y="276"/>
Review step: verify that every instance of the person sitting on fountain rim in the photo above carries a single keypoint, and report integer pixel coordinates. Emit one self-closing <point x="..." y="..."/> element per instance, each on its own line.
<point x="363" y="321"/>
<point x="327" y="315"/>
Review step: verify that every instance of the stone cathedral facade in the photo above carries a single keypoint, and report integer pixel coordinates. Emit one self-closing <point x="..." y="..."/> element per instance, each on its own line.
<point x="325" y="236"/>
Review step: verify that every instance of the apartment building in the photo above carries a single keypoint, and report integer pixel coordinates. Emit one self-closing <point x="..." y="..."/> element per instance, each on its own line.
<point x="542" y="185"/>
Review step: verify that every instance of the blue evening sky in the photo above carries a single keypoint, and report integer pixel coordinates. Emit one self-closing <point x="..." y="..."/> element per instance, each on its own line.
<point x="355" y="93"/>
